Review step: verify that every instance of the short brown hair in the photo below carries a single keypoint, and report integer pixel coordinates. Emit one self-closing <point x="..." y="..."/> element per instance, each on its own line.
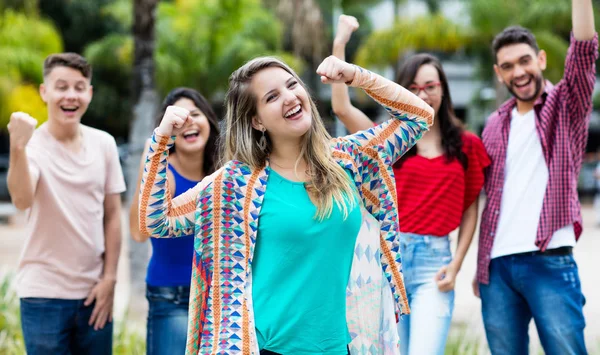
<point x="70" y="60"/>
<point x="513" y="35"/>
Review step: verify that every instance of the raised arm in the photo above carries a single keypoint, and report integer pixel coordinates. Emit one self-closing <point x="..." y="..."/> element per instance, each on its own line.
<point x="160" y="216"/>
<point x="22" y="175"/>
<point x="411" y="116"/>
<point x="580" y="70"/>
<point x="583" y="20"/>
<point x="351" y="117"/>
<point x="134" y="208"/>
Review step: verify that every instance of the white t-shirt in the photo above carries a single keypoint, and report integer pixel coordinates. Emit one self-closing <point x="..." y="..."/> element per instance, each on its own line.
<point x="525" y="183"/>
<point x="63" y="253"/>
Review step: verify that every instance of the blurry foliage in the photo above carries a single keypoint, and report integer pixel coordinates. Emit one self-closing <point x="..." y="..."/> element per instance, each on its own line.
<point x="11" y="337"/>
<point x="25" y="41"/>
<point x="201" y="44"/>
<point x="427" y="33"/>
<point x="81" y="21"/>
<point x="198" y="44"/>
<point x="26" y="98"/>
<point x="549" y="21"/>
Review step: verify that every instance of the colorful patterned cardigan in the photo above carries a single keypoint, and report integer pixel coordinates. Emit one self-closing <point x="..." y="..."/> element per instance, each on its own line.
<point x="222" y="211"/>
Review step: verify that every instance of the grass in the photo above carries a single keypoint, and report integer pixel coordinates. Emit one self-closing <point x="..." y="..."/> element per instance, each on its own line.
<point x="460" y="342"/>
<point x="126" y="340"/>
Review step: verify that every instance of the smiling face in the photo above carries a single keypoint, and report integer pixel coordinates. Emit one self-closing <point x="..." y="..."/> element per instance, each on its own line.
<point x="67" y="93"/>
<point x="192" y="140"/>
<point x="520" y="69"/>
<point x="282" y="105"/>
<point x="427" y="86"/>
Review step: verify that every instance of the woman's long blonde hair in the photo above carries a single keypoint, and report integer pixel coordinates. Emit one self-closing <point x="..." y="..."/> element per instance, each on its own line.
<point x="329" y="182"/>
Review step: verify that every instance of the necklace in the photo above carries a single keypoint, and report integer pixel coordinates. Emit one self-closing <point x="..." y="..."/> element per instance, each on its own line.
<point x="290" y="168"/>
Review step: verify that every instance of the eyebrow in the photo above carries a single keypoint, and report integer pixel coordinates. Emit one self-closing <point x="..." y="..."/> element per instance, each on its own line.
<point x="271" y="91"/>
<point x="62" y="81"/>
<point x="518" y="60"/>
<point x="427" y="82"/>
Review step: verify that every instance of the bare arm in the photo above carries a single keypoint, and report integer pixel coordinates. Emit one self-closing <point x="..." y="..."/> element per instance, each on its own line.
<point x="446" y="276"/>
<point x="21" y="183"/>
<point x="466" y="232"/>
<point x="583" y="20"/>
<point x="354" y="119"/>
<point x="112" y="235"/>
<point x="103" y="293"/>
<point x="20" y="180"/>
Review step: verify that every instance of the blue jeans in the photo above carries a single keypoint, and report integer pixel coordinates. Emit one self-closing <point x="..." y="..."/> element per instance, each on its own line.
<point x="545" y="288"/>
<point x="425" y="329"/>
<point x="57" y="327"/>
<point x="167" y="319"/>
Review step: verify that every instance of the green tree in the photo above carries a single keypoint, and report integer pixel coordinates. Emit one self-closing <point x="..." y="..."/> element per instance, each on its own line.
<point x="549" y="21"/>
<point x="201" y="44"/>
<point x="25" y="41"/>
<point x="434" y="33"/>
<point x="146" y="101"/>
<point x="198" y="44"/>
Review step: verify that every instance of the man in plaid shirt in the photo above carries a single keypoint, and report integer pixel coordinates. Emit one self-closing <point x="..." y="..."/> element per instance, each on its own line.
<point x="532" y="218"/>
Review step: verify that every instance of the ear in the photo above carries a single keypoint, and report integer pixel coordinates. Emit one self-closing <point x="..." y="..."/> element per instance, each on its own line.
<point x="43" y="92"/>
<point x="91" y="89"/>
<point x="497" y="71"/>
<point x="256" y="124"/>
<point x="542" y="60"/>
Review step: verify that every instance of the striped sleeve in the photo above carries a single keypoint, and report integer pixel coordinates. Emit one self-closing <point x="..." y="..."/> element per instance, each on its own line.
<point x="410" y="116"/>
<point x="160" y="216"/>
<point x="580" y="76"/>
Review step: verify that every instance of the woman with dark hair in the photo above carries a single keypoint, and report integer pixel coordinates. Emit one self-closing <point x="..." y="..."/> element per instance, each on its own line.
<point x="192" y="157"/>
<point x="437" y="182"/>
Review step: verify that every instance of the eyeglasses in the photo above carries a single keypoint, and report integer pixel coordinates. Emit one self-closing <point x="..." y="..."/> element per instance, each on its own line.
<point x="429" y="88"/>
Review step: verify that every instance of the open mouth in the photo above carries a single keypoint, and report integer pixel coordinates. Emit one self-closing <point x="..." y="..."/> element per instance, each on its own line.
<point x="69" y="109"/>
<point x="191" y="135"/>
<point x="523" y="83"/>
<point x="294" y="113"/>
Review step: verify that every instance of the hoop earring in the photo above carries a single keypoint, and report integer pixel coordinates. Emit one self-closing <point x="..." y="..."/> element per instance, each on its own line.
<point x="262" y="142"/>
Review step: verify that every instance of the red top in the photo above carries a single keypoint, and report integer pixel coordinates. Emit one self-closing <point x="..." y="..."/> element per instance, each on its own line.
<point x="434" y="193"/>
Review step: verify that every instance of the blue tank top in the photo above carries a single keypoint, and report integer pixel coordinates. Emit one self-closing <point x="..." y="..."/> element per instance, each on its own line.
<point x="171" y="261"/>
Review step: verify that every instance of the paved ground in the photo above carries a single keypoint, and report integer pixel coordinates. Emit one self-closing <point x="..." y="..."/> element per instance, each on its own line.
<point x="467" y="316"/>
<point x="467" y="311"/>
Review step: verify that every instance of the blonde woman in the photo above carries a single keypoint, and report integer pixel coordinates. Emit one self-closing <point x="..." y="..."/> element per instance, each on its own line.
<point x="276" y="227"/>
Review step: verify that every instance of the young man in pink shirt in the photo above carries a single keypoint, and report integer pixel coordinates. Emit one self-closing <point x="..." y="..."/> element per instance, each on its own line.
<point x="532" y="217"/>
<point x="68" y="178"/>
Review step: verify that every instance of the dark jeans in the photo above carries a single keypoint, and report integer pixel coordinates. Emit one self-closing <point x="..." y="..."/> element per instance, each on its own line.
<point x="60" y="327"/>
<point x="167" y="319"/>
<point x="545" y="288"/>
<point x="267" y="352"/>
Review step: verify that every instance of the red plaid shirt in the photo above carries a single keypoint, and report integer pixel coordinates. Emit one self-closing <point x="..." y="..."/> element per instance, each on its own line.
<point x="562" y="118"/>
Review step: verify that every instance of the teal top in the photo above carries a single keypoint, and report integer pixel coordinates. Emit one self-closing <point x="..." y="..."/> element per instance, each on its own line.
<point x="300" y="272"/>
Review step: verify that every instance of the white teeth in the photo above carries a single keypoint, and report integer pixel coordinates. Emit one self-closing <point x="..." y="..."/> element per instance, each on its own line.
<point x="293" y="111"/>
<point x="191" y="133"/>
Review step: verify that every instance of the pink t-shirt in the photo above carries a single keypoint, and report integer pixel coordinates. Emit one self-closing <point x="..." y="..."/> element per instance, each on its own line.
<point x="63" y="254"/>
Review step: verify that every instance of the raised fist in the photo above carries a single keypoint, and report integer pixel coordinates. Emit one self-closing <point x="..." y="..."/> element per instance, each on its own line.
<point x="21" y="128"/>
<point x="334" y="70"/>
<point x="175" y="120"/>
<point x="346" y="25"/>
